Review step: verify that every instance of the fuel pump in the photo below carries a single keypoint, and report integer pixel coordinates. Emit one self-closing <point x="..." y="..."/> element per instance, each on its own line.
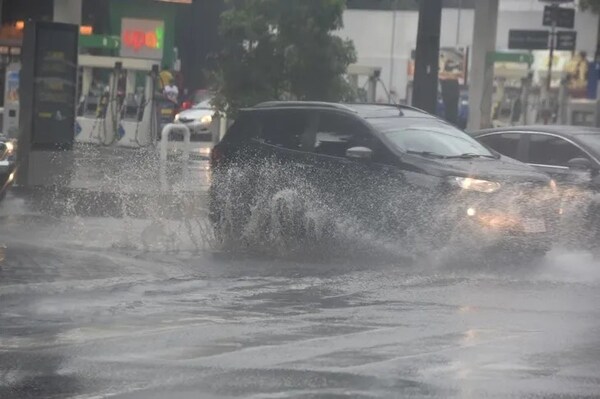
<point x="97" y="111"/>
<point x="140" y="128"/>
<point x="10" y="122"/>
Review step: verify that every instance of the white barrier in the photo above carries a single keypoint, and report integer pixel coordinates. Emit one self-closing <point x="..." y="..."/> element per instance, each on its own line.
<point x="164" y="144"/>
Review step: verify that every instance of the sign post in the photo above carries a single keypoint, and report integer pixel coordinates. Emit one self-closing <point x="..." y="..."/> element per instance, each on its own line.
<point x="557" y="17"/>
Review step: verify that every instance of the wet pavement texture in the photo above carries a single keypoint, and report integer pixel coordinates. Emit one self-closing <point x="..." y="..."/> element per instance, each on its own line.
<point x="94" y="307"/>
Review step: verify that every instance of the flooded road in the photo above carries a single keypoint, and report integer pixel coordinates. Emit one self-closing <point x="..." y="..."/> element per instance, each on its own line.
<point x="132" y="308"/>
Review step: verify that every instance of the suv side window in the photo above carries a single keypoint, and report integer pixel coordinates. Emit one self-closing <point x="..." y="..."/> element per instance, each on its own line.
<point x="283" y="128"/>
<point x="551" y="150"/>
<point x="244" y="127"/>
<point x="505" y="143"/>
<point x="336" y="133"/>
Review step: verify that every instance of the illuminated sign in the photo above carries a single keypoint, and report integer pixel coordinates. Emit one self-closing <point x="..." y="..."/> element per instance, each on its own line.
<point x="142" y="38"/>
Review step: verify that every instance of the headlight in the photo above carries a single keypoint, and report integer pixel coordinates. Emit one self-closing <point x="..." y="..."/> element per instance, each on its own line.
<point x="177" y="118"/>
<point x="8" y="152"/>
<point x="206" y="119"/>
<point x="204" y="151"/>
<point x="482" y="186"/>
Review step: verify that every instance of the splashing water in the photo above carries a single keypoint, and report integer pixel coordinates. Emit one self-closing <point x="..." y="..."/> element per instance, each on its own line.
<point x="287" y="215"/>
<point x="275" y="208"/>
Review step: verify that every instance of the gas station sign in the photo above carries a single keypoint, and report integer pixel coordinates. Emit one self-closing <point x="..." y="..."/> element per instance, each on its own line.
<point x="99" y="41"/>
<point x="48" y="89"/>
<point x="47" y="86"/>
<point x="142" y="38"/>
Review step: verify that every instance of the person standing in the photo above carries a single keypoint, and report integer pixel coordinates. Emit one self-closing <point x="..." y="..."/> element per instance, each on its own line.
<point x="593" y="77"/>
<point x="171" y="91"/>
<point x="165" y="77"/>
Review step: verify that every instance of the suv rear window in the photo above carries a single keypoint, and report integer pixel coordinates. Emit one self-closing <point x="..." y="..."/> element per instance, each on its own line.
<point x="281" y="128"/>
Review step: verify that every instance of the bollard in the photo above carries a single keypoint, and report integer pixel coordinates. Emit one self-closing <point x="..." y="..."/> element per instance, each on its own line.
<point x="164" y="143"/>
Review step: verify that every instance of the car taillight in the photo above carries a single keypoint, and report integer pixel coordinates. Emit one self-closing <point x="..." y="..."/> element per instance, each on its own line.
<point x="216" y="156"/>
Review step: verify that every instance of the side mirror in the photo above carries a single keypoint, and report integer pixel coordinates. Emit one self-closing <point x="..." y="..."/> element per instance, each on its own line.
<point x="363" y="153"/>
<point x="581" y="164"/>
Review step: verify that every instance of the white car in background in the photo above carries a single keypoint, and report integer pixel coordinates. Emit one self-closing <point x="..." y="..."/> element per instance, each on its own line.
<point x="199" y="119"/>
<point x="199" y="116"/>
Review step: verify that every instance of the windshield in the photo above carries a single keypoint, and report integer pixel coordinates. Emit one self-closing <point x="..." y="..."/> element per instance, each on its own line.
<point x="428" y="136"/>
<point x="203" y="104"/>
<point x="591" y="140"/>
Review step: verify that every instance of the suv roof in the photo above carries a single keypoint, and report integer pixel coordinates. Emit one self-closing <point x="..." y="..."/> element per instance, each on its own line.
<point x="364" y="110"/>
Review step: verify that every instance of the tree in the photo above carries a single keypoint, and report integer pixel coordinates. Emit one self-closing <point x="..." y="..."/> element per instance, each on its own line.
<point x="592" y="5"/>
<point x="274" y="49"/>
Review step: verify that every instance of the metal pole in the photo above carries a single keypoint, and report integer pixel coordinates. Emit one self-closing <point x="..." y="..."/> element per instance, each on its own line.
<point x="393" y="44"/>
<point x="458" y="22"/>
<point x="372" y="90"/>
<point x="562" y="101"/>
<point x="427" y="56"/>
<point x="552" y="39"/>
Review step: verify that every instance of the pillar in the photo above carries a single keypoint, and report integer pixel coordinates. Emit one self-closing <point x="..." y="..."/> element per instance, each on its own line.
<point x="481" y="81"/>
<point x="67" y="11"/>
<point x="427" y="56"/>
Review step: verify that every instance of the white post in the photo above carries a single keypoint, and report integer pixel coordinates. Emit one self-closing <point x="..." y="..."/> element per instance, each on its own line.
<point x="222" y="127"/>
<point x="186" y="153"/>
<point x="67" y="11"/>
<point x="164" y="142"/>
<point x="163" y="148"/>
<point x="481" y="83"/>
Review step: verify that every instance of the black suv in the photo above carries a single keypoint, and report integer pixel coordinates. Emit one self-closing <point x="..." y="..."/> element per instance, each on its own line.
<point x="284" y="167"/>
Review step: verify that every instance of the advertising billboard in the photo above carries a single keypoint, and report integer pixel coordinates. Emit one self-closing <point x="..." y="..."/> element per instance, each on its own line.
<point x="453" y="64"/>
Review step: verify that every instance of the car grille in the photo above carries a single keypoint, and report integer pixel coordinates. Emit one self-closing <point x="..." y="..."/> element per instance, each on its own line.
<point x="534" y="200"/>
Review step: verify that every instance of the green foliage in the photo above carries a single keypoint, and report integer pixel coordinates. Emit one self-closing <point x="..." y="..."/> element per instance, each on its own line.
<point x="275" y="49"/>
<point x="592" y="5"/>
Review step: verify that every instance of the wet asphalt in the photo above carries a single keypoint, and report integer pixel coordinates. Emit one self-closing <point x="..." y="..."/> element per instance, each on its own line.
<point x="95" y="307"/>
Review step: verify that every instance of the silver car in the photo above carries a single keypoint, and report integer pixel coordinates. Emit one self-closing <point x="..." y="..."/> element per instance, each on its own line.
<point x="199" y="117"/>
